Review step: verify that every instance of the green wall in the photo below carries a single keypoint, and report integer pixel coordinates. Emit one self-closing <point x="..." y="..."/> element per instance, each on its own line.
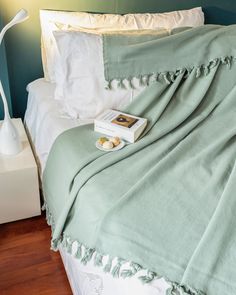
<point x="23" y="41"/>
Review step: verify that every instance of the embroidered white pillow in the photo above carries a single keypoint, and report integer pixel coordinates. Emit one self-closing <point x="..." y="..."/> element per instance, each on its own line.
<point x="80" y="20"/>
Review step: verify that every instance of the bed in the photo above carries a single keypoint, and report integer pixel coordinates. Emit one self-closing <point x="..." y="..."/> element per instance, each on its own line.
<point x="68" y="100"/>
<point x="43" y="111"/>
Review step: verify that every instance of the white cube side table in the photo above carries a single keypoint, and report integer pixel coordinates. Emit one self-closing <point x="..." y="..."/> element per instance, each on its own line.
<point x="19" y="188"/>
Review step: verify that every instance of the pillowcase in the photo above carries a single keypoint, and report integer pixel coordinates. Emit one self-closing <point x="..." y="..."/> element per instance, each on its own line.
<point x="80" y="75"/>
<point x="60" y="20"/>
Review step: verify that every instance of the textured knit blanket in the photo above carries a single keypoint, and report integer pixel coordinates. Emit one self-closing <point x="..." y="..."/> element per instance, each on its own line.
<point x="167" y="203"/>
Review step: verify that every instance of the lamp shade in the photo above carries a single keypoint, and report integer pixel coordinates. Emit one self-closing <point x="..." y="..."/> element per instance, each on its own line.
<point x="21" y="16"/>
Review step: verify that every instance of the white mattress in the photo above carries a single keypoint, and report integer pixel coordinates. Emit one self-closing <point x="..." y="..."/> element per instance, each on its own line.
<point x="45" y="122"/>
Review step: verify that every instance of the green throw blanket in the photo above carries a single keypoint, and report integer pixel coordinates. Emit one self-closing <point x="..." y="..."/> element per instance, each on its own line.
<point x="167" y="203"/>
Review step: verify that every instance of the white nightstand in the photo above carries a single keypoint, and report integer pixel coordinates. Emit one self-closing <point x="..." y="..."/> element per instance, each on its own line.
<point x="19" y="189"/>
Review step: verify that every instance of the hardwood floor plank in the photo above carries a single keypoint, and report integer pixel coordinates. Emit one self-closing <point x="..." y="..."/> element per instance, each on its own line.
<point x="27" y="265"/>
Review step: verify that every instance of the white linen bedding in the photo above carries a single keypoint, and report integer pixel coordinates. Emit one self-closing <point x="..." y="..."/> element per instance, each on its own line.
<point x="45" y="121"/>
<point x="44" y="118"/>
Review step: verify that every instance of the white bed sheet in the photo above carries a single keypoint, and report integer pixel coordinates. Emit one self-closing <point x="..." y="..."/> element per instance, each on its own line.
<point x="44" y="118"/>
<point x="45" y="121"/>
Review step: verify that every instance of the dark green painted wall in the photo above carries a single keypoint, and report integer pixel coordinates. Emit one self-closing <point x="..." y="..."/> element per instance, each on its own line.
<point x="23" y="41"/>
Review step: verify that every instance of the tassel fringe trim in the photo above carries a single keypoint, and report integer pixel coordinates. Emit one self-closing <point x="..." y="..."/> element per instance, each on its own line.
<point x="116" y="266"/>
<point x="169" y="76"/>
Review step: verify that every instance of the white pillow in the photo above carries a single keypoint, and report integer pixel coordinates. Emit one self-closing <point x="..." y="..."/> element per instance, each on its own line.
<point x="81" y="20"/>
<point x="80" y="76"/>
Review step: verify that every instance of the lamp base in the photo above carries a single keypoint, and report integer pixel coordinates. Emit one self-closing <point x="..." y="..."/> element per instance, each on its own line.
<point x="10" y="143"/>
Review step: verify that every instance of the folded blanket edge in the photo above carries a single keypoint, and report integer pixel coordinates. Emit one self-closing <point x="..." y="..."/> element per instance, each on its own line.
<point x="114" y="264"/>
<point x="167" y="76"/>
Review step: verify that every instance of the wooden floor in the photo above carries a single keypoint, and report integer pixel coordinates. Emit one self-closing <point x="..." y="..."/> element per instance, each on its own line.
<point x="27" y="265"/>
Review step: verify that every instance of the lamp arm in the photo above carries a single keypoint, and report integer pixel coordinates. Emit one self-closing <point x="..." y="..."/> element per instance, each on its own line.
<point x="3" y="31"/>
<point x="2" y="94"/>
<point x="4" y="100"/>
<point x="10" y="142"/>
<point x="19" y="17"/>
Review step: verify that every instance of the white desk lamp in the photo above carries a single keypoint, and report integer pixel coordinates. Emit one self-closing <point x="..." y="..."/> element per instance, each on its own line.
<point x="10" y="143"/>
